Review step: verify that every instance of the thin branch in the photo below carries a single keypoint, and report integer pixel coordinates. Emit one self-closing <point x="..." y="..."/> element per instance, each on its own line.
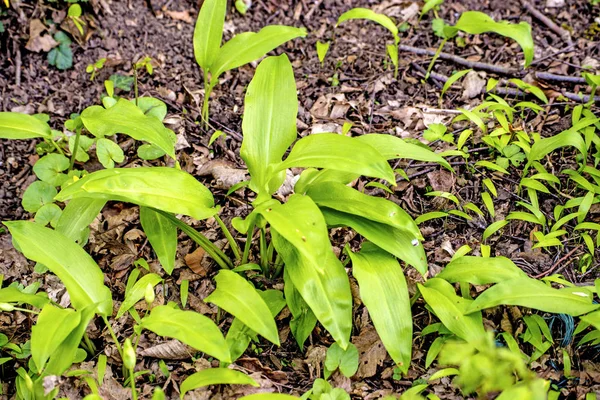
<point x="556" y="264"/>
<point x="563" y="34"/>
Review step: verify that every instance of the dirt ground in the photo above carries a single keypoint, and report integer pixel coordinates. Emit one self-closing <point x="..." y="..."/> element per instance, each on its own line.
<point x="354" y="84"/>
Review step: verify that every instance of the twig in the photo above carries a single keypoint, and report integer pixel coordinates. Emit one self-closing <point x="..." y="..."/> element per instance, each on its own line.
<point x="547" y="76"/>
<point x="556" y="264"/>
<point x="565" y="35"/>
<point x="18" y="66"/>
<point x="461" y="61"/>
<point x="424" y="73"/>
<point x="561" y="51"/>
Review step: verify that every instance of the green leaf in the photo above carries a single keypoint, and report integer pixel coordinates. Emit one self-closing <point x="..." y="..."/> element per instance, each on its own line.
<point x="152" y="107"/>
<point x="191" y="328"/>
<point x="527" y="292"/>
<point x="122" y="82"/>
<point x="48" y="214"/>
<point x="269" y="122"/>
<point x="208" y="32"/>
<point x="249" y="46"/>
<point x="49" y="169"/>
<point x="84" y="145"/>
<point x="149" y="152"/>
<point x="544" y="146"/>
<point x="124" y="117"/>
<point x="61" y="56"/>
<point x="430" y="5"/>
<point x="384" y="292"/>
<point x="74" y="267"/>
<point x="77" y="217"/>
<point x="475" y="22"/>
<point x="450" y="308"/>
<point x="13" y="295"/>
<point x="322" y="49"/>
<point x="239" y="335"/>
<point x="453" y="78"/>
<point x="301" y="238"/>
<point x="65" y="354"/>
<point x="345" y="360"/>
<point x="137" y="292"/>
<point x="340" y="153"/>
<point x="166" y="189"/>
<point x="398" y="242"/>
<point x="108" y="153"/>
<point x="162" y="235"/>
<point x="481" y="270"/>
<point x="238" y="297"/>
<point x="392" y="147"/>
<point x="303" y="319"/>
<point x="53" y="326"/>
<point x="215" y="376"/>
<point x="15" y="125"/>
<point x="37" y="195"/>
<point x="365" y="13"/>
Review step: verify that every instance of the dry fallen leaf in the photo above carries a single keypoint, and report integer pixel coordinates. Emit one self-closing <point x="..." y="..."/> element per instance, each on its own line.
<point x="371" y="352"/>
<point x="37" y="42"/>
<point x="194" y="261"/>
<point x="473" y="84"/>
<point x="171" y="350"/>
<point x="225" y="173"/>
<point x="179" y="15"/>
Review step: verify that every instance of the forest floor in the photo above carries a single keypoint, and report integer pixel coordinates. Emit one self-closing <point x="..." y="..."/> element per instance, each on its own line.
<point x="354" y="84"/>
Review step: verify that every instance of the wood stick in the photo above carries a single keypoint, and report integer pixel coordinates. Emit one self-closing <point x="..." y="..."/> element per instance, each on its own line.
<point x="562" y="33"/>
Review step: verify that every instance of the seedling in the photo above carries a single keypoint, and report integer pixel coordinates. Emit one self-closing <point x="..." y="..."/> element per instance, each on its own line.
<point x="92" y="69"/>
<point x="215" y="59"/>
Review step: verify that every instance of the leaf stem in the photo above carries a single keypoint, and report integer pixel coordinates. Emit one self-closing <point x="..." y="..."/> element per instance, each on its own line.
<point x="264" y="258"/>
<point x="232" y="243"/>
<point x="434" y="59"/>
<point x="75" y="149"/>
<point x="112" y="335"/>
<point x="247" y="245"/>
<point x="135" y="83"/>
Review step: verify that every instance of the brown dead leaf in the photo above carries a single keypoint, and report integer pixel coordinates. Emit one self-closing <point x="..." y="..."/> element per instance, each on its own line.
<point x="371" y="352"/>
<point x="194" y="261"/>
<point x="315" y="356"/>
<point x="473" y="84"/>
<point x="179" y="15"/>
<point x="38" y="42"/>
<point x="225" y="173"/>
<point x="171" y="350"/>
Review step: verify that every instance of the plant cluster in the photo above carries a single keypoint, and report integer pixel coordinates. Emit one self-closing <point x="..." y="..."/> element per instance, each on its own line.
<point x="294" y="234"/>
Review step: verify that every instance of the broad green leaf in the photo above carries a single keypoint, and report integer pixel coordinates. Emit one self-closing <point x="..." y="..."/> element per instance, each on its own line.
<point x="345" y="360"/>
<point x="303" y="319"/>
<point x="312" y="176"/>
<point x="51" y="329"/>
<point x="215" y="376"/>
<point x="109" y="153"/>
<point x="77" y="217"/>
<point x="74" y="267"/>
<point x="268" y="396"/>
<point x="481" y="270"/>
<point x="384" y="292"/>
<point x="149" y="152"/>
<point x="527" y="292"/>
<point x="137" y="292"/>
<point x="191" y="328"/>
<point x="239" y="335"/>
<point x="592" y="319"/>
<point x="166" y="189"/>
<point x="124" y="117"/>
<point x="269" y="124"/>
<point x="13" y="295"/>
<point x="36" y="195"/>
<point x="249" y="46"/>
<point x="162" y="235"/>
<point x="450" y="309"/>
<point x="566" y="138"/>
<point x="323" y="286"/>
<point x="152" y="107"/>
<point x="61" y="56"/>
<point x="398" y="242"/>
<point x="208" y="32"/>
<point x="343" y="198"/>
<point x="50" y="167"/>
<point x="475" y="22"/>
<point x="365" y="13"/>
<point x="238" y="297"/>
<point x="48" y="214"/>
<point x="15" y="125"/>
<point x="63" y="357"/>
<point x="392" y="147"/>
<point x="341" y="153"/>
